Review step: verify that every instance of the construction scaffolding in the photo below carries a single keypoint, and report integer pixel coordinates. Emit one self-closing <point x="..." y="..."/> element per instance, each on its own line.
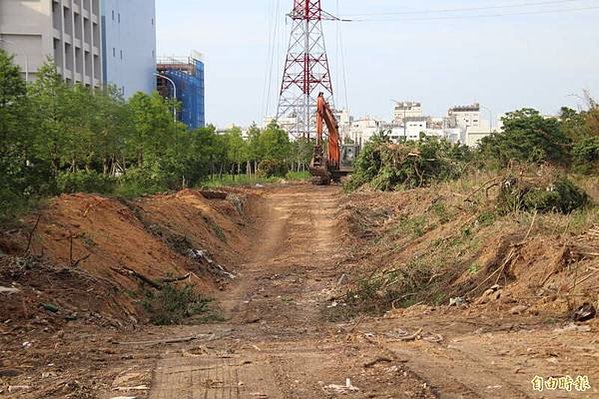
<point x="183" y="78"/>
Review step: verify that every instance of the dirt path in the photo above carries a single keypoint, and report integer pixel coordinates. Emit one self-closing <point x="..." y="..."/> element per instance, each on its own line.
<point x="276" y="344"/>
<point x="277" y="341"/>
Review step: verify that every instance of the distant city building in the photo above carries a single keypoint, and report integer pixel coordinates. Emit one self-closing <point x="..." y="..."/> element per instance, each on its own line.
<point x="363" y="129"/>
<point x="464" y="116"/>
<point x="67" y="31"/>
<point x="183" y="78"/>
<point x="406" y="109"/>
<point x="129" y="45"/>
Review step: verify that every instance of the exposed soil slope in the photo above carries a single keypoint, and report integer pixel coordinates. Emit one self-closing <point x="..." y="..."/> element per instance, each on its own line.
<point x="86" y="249"/>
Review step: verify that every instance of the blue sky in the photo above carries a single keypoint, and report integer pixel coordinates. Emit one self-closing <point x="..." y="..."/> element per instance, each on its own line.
<point x="537" y="59"/>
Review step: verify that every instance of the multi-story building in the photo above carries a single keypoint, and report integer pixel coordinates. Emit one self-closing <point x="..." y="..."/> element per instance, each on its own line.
<point x="67" y="31"/>
<point x="464" y="116"/>
<point x="406" y="109"/>
<point x="183" y="78"/>
<point x="92" y="42"/>
<point x="129" y="45"/>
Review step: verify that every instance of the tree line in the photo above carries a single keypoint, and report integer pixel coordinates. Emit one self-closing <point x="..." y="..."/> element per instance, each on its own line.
<point x="59" y="138"/>
<point x="569" y="143"/>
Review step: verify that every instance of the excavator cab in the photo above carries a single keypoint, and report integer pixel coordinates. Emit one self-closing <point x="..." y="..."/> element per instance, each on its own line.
<point x="349" y="153"/>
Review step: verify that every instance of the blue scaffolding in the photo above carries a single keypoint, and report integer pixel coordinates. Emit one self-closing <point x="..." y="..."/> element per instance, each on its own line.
<point x="189" y="80"/>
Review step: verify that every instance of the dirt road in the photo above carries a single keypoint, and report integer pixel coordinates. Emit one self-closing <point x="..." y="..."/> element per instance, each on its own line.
<point x="278" y="344"/>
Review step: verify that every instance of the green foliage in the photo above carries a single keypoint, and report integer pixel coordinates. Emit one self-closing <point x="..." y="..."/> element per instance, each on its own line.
<point x="58" y="137"/>
<point x="172" y="305"/>
<point x="387" y="166"/>
<point x="272" y="168"/>
<point x="139" y="181"/>
<point x="560" y="195"/>
<point x="527" y="137"/>
<point x="84" y="181"/>
<point x="585" y="155"/>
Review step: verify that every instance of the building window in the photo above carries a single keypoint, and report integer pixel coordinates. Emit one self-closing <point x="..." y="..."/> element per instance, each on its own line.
<point x="113" y="15"/>
<point x="152" y="21"/>
<point x="121" y="54"/>
<point x="113" y="52"/>
<point x="119" y="18"/>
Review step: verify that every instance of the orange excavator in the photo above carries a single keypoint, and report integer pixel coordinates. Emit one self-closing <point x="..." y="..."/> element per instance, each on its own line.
<point x="339" y="158"/>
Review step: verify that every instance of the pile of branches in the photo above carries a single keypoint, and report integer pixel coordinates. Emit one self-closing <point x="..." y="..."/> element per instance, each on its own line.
<point x="557" y="194"/>
<point x="386" y="166"/>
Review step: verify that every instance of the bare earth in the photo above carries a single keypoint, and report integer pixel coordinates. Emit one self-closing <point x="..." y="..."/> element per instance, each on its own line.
<point x="277" y="342"/>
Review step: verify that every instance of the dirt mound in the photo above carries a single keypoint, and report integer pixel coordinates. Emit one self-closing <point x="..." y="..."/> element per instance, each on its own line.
<point x="86" y="247"/>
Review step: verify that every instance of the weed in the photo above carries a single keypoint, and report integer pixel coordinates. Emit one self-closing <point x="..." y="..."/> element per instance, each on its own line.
<point x="487" y="218"/>
<point x="441" y="211"/>
<point x="474" y="268"/>
<point x="172" y="305"/>
<point x="414" y="227"/>
<point x="218" y="231"/>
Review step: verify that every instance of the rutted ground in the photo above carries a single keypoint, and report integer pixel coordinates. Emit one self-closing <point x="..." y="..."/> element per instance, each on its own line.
<point x="293" y="250"/>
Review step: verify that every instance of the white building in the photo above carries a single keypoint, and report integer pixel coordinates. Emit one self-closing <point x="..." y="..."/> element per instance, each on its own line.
<point x="406" y="109"/>
<point x="68" y="31"/>
<point x="464" y="116"/>
<point x="363" y="129"/>
<point x="129" y="45"/>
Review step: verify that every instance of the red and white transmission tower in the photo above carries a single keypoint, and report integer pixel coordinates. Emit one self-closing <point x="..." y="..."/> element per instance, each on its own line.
<point x="307" y="70"/>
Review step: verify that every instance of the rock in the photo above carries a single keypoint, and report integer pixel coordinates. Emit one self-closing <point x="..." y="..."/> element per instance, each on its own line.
<point x="519" y="309"/>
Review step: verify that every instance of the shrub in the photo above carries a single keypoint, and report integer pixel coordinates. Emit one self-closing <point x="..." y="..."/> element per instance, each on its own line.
<point x="84" y="181"/>
<point x="172" y="305"/>
<point x="585" y="155"/>
<point x="141" y="181"/>
<point x="388" y="166"/>
<point x="560" y="195"/>
<point x="272" y="168"/>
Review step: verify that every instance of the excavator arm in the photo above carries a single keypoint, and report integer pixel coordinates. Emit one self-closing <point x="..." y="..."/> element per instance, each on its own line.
<point x="325" y="116"/>
<point x="322" y="168"/>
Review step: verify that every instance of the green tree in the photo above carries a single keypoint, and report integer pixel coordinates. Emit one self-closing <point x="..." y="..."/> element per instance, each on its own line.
<point x="274" y="144"/>
<point x="237" y="149"/>
<point x="528" y="137"/>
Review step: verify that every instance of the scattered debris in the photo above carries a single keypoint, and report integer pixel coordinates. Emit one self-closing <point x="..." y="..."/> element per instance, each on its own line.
<point x="18" y="388"/>
<point x="402" y="335"/>
<point x="137" y="388"/>
<point x="169" y="341"/>
<point x="50" y="307"/>
<point x="342" y="389"/>
<point x="519" y="309"/>
<point x="380" y="359"/>
<point x="457" y="301"/>
<point x="9" y="290"/>
<point x="573" y="328"/>
<point x="9" y="373"/>
<point x="585" y="313"/>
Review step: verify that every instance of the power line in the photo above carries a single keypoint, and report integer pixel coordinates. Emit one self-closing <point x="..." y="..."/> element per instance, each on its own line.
<point x="452" y="10"/>
<point x="537" y="12"/>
